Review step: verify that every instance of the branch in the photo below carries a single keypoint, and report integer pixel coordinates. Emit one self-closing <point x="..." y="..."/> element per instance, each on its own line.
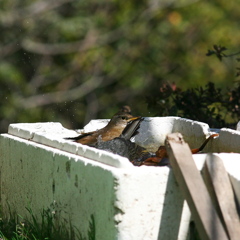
<point x="9" y="49"/>
<point x="61" y="48"/>
<point x="63" y="96"/>
<point x="31" y="11"/>
<point x="92" y="40"/>
<point x="60" y="96"/>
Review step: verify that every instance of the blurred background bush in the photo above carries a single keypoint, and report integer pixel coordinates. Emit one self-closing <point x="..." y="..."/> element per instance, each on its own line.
<point x="71" y="61"/>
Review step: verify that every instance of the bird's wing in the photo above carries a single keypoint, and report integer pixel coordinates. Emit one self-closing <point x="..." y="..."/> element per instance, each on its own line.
<point x="131" y="129"/>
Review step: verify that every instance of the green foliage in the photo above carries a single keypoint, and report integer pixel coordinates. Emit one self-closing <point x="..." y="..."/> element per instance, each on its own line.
<point x="48" y="228"/>
<point x="218" y="51"/>
<point x="208" y="104"/>
<point x="71" y="61"/>
<point x="92" y="229"/>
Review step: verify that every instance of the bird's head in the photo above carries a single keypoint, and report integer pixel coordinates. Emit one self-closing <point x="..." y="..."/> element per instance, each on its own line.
<point x="122" y="119"/>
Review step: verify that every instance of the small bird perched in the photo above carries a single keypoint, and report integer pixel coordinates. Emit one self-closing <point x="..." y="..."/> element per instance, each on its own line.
<point x="113" y="129"/>
<point x="122" y="145"/>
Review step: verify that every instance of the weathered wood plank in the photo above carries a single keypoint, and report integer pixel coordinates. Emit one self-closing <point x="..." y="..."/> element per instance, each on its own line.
<point x="193" y="188"/>
<point x="224" y="194"/>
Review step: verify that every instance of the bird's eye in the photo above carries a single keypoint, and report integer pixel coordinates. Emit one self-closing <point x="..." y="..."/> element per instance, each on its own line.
<point x="123" y="118"/>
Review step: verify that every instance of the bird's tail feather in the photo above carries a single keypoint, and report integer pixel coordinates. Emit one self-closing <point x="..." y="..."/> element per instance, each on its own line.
<point x="79" y="137"/>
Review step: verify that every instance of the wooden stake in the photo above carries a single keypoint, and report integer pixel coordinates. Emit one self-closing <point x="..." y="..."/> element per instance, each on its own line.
<point x="224" y="194"/>
<point x="194" y="190"/>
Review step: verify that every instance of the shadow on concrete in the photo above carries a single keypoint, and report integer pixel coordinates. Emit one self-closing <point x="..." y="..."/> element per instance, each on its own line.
<point x="172" y="211"/>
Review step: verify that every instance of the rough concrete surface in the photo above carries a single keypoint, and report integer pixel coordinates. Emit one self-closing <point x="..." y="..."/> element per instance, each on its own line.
<point x="40" y="169"/>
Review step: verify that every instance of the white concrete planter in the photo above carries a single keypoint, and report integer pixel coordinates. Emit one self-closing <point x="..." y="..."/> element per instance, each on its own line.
<point x="39" y="168"/>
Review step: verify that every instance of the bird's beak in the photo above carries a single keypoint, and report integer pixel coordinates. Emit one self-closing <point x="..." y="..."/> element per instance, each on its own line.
<point x="133" y="118"/>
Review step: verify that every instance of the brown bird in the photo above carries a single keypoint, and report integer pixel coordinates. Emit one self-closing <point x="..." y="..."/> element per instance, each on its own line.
<point x="125" y="109"/>
<point x="113" y="129"/>
<point x="122" y="145"/>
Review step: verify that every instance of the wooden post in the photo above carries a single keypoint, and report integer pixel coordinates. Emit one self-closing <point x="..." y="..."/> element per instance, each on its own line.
<point x="194" y="190"/>
<point x="224" y="194"/>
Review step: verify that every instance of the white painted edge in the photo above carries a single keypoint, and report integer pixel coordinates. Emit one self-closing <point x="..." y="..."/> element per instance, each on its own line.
<point x="52" y="134"/>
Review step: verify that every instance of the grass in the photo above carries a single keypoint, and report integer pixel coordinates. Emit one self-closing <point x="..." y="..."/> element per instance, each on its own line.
<point x="15" y="227"/>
